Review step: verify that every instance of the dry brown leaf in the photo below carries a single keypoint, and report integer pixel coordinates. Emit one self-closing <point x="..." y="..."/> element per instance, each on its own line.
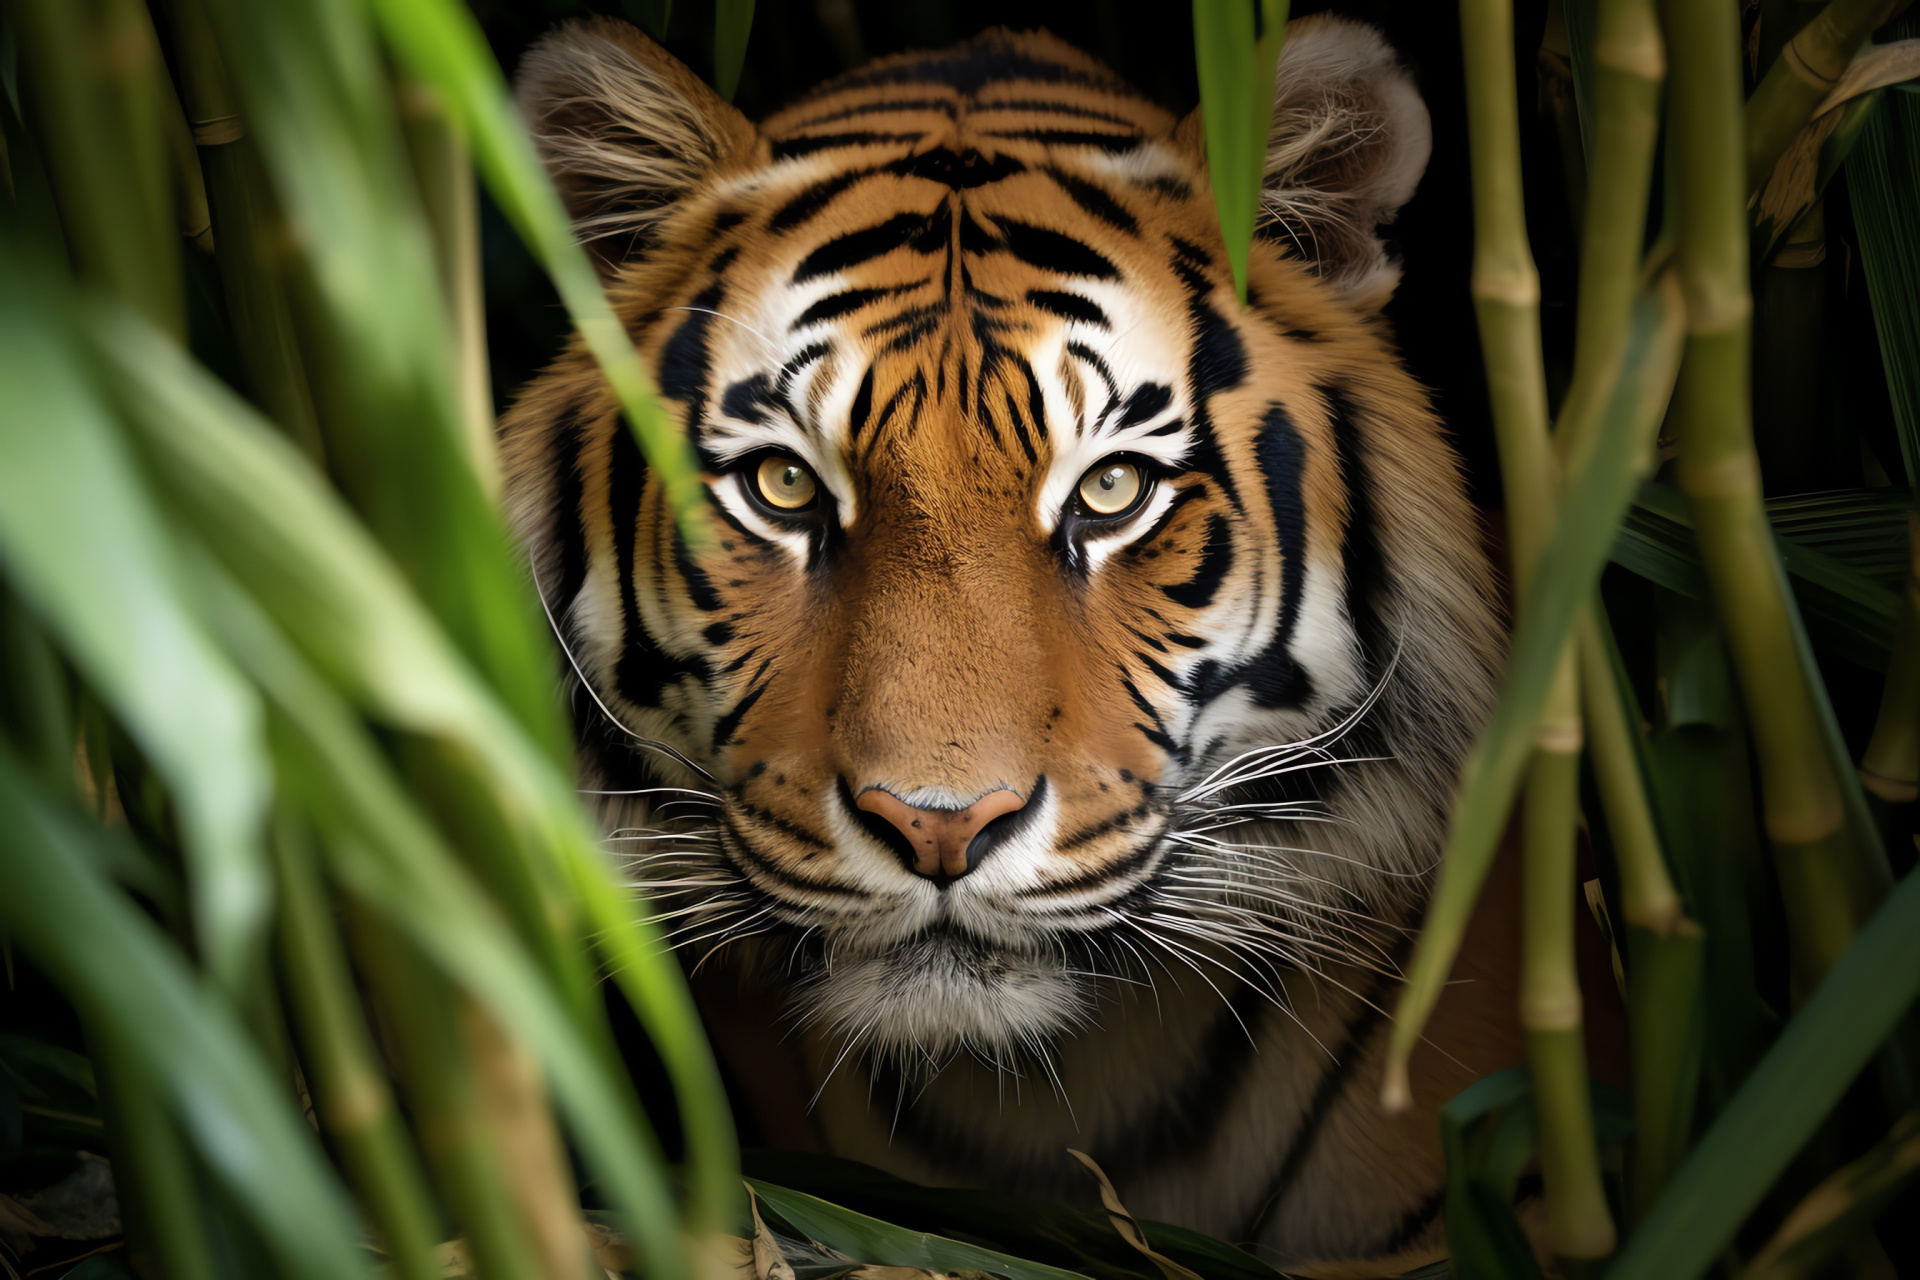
<point x="768" y="1262"/>
<point x="1124" y="1222"/>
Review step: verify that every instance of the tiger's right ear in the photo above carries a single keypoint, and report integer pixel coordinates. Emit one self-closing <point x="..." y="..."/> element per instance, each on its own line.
<point x="625" y="130"/>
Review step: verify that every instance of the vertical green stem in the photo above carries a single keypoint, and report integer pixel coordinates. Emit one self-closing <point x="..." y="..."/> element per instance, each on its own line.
<point x="1506" y="293"/>
<point x="349" y="1087"/>
<point x="92" y="82"/>
<point x="154" y="1174"/>
<point x="251" y="239"/>
<point x="448" y="192"/>
<point x="1579" y="1225"/>
<point x="1890" y="768"/>
<point x="422" y="1012"/>
<point x="1719" y="472"/>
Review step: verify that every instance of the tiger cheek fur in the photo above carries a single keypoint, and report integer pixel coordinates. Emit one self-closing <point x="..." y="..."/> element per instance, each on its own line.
<point x="976" y="763"/>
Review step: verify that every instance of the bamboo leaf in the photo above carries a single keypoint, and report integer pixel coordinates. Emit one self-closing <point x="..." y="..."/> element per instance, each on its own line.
<point x="289" y="543"/>
<point x="121" y="973"/>
<point x="1841" y="1207"/>
<point x="442" y="46"/>
<point x="1784" y="1099"/>
<point x="81" y="540"/>
<point x="1883" y="178"/>
<point x="873" y="1241"/>
<point x="732" y="20"/>
<point x="1236" y="97"/>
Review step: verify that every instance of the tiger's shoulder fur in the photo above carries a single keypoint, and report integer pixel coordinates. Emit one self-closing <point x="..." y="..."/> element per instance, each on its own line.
<point x="1063" y="710"/>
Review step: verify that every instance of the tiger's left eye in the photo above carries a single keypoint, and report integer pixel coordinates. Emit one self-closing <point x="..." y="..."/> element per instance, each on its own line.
<point x="1112" y="488"/>
<point x="785" y="483"/>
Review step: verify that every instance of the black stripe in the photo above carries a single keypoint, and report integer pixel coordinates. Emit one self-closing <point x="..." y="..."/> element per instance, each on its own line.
<point x="1020" y="427"/>
<point x="568" y="531"/>
<point x="802" y="208"/>
<point x="699" y="585"/>
<point x="1109" y="142"/>
<point x="642" y="670"/>
<point x="1068" y="306"/>
<point x="862" y="407"/>
<point x="1334" y="1079"/>
<point x="1095" y="200"/>
<point x="1216" y="558"/>
<point x="960" y="171"/>
<point x="723" y="727"/>
<point x="1147" y="402"/>
<point x="1360" y="551"/>
<point x="787" y="148"/>
<point x="1216" y="362"/>
<point x="974" y="65"/>
<point x="1414" y="1225"/>
<point x="1041" y="106"/>
<point x="944" y="106"/>
<point x="1054" y="251"/>
<point x="1036" y="398"/>
<point x="864" y="245"/>
<point x="835" y="305"/>
<point x="1275" y="678"/>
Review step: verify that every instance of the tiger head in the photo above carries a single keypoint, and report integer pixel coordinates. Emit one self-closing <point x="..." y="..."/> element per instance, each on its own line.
<point x="1056" y="613"/>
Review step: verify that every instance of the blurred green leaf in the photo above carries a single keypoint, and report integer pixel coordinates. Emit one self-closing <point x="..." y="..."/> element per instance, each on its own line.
<point x="732" y="22"/>
<point x="1778" y="1107"/>
<point x="442" y="46"/>
<point x="121" y="972"/>
<point x="1236" y="96"/>
<point x="1883" y="180"/>
<point x="873" y="1241"/>
<point x="81" y="540"/>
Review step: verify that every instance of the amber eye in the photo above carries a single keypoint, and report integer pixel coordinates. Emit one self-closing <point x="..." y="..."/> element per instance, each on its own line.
<point x="1113" y="487"/>
<point x="785" y="483"/>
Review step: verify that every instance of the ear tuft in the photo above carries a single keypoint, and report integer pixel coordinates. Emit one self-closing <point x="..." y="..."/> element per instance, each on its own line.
<point x="1349" y="142"/>
<point x="625" y="130"/>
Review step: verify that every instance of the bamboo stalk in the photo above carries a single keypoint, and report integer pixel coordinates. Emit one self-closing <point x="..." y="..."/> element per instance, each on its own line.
<point x="1578" y="1223"/>
<point x="153" y="1173"/>
<point x="251" y="238"/>
<point x="443" y="168"/>
<point x="350" y="1089"/>
<point x="90" y="78"/>
<point x="1506" y="293"/>
<point x="1804" y="73"/>
<point x="1890" y="767"/>
<point x="1630" y="65"/>
<point x="432" y="1027"/>
<point x="1719" y="472"/>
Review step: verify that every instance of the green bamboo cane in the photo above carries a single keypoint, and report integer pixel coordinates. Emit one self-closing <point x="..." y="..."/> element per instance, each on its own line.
<point x="350" y="1089"/>
<point x="420" y="1014"/>
<point x="1506" y="292"/>
<point x="443" y="167"/>
<point x="1804" y="73"/>
<point x="1890" y="767"/>
<point x="91" y="80"/>
<point x="250" y="233"/>
<point x="1718" y="471"/>
<point x="154" y="1177"/>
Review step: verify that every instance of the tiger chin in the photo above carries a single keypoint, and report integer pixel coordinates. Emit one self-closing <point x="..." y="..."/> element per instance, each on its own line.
<point x="1060" y="701"/>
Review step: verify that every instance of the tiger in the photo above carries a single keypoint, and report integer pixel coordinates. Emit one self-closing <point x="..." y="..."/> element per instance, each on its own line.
<point x="1056" y="701"/>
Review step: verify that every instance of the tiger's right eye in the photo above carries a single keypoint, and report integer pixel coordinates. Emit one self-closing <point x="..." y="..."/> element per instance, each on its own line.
<point x="785" y="483"/>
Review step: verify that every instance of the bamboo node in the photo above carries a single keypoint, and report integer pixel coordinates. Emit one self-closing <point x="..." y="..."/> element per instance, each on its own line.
<point x="1805" y="827"/>
<point x="1514" y="286"/>
<point x="1735" y="473"/>
<point x="218" y="131"/>
<point x="1892" y="790"/>
<point x="1562" y="737"/>
<point x="1551" y="1013"/>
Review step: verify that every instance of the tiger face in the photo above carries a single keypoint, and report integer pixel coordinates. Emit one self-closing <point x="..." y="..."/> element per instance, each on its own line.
<point x="1057" y="614"/>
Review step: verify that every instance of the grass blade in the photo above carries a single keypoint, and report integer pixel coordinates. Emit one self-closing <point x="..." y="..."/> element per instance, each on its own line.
<point x="442" y="46"/>
<point x="1236" y="97"/>
<point x="81" y="540"/>
<point x="121" y="973"/>
<point x="1784" y="1099"/>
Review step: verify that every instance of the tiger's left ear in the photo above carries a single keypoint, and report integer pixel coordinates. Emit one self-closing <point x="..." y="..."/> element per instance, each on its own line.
<point x="1349" y="141"/>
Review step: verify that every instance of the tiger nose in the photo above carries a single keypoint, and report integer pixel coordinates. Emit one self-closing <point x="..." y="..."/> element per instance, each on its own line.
<point x="943" y="843"/>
